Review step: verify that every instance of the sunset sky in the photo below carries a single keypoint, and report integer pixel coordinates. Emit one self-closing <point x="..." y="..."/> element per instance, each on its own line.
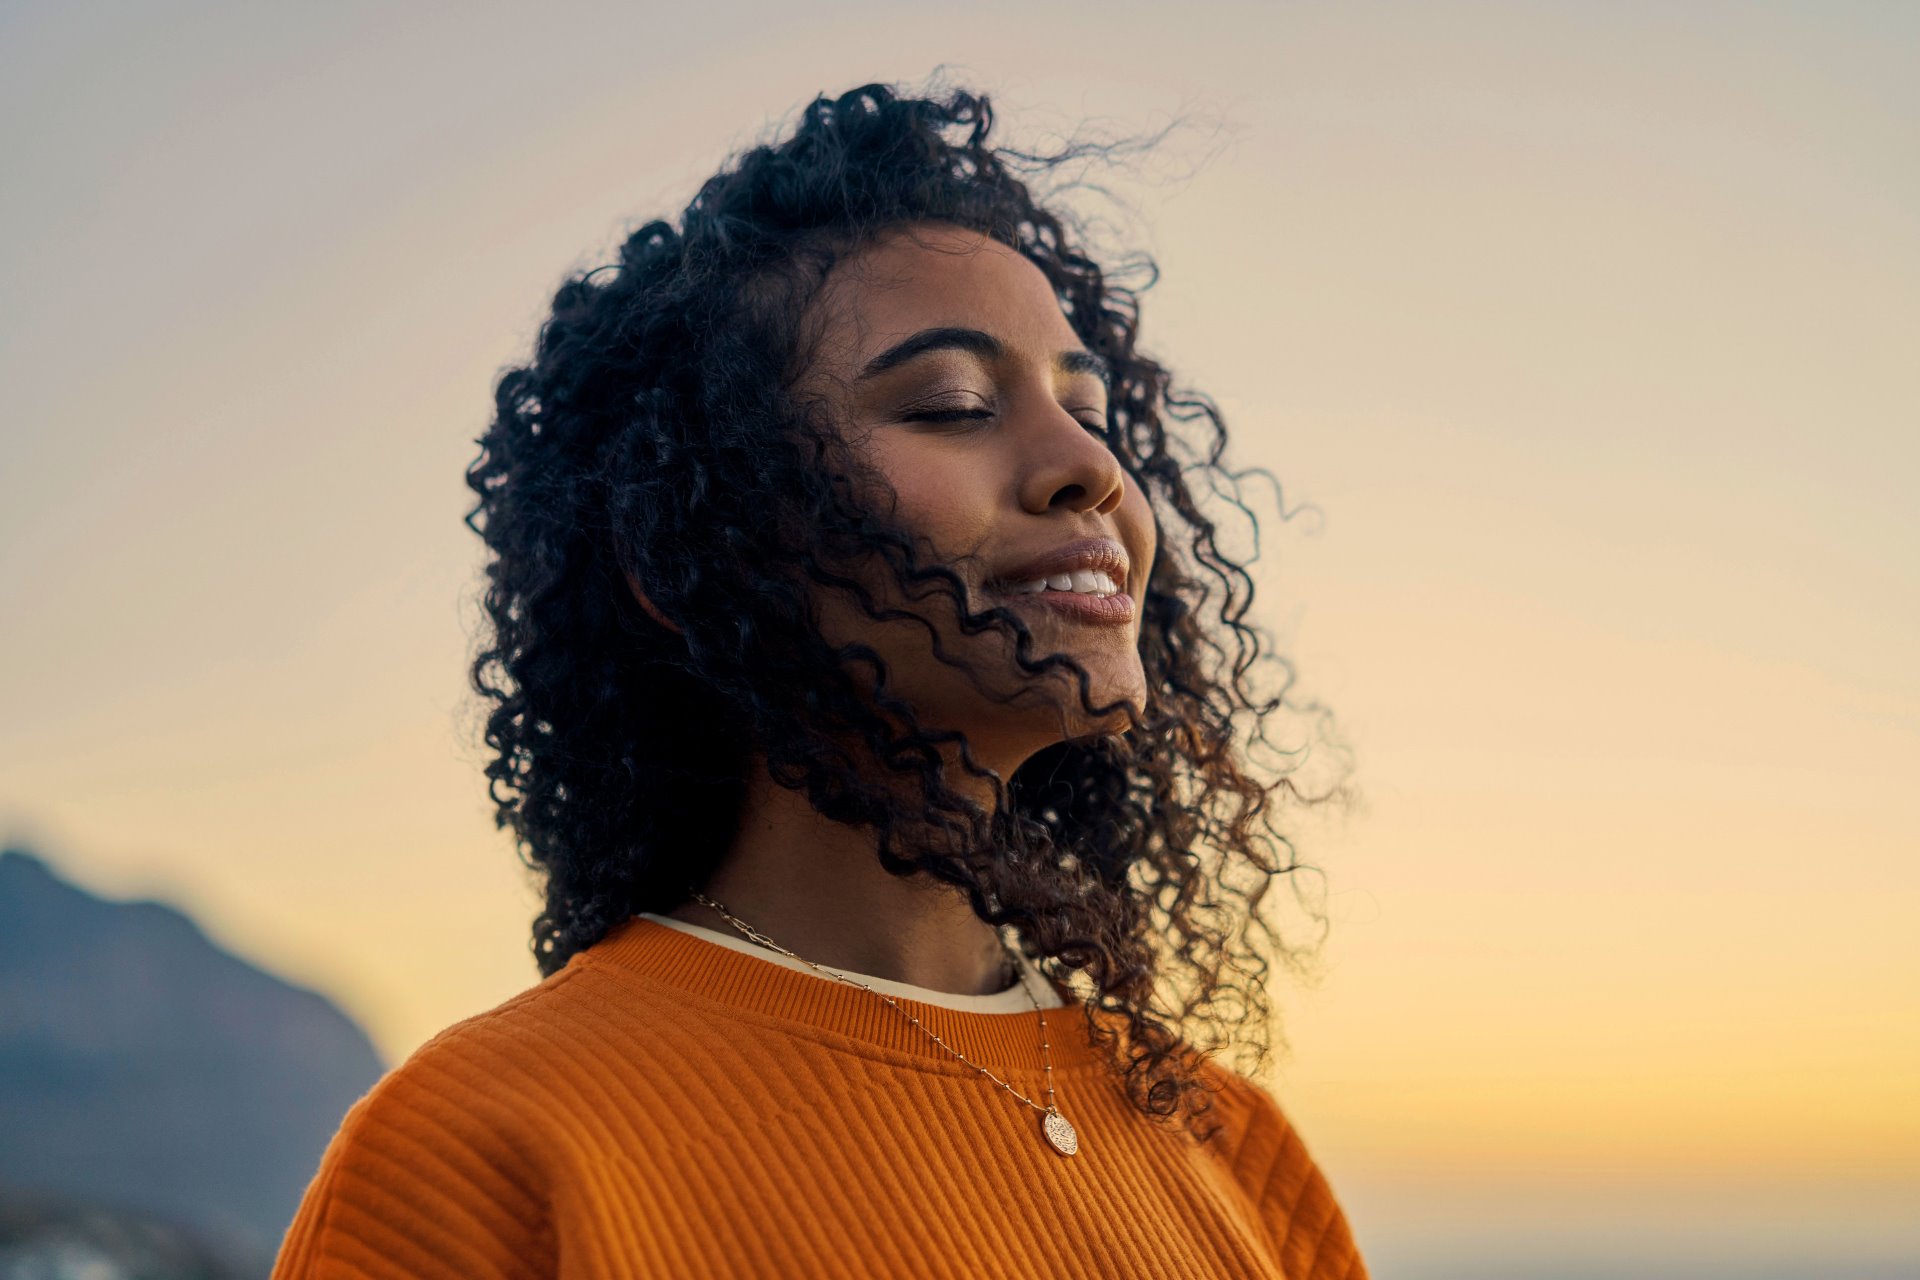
<point x="1586" y="336"/>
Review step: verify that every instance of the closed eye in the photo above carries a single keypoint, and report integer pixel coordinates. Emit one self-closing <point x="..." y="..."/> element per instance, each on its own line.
<point x="1097" y="425"/>
<point x="948" y="415"/>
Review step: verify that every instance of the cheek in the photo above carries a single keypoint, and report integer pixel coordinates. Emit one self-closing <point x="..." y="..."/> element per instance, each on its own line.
<point x="940" y="498"/>
<point x="1137" y="530"/>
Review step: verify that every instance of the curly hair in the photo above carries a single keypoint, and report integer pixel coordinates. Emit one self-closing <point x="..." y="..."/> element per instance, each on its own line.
<point x="656" y="437"/>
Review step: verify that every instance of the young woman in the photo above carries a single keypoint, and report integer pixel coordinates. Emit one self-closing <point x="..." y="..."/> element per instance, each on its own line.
<point x="871" y="696"/>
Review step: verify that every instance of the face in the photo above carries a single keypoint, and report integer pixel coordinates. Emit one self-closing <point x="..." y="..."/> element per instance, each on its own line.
<point x="946" y="361"/>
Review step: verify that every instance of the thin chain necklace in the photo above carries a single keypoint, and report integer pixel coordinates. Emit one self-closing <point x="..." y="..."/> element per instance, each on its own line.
<point x="1054" y="1127"/>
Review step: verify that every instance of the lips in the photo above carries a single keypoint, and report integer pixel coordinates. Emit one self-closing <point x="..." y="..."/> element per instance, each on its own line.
<point x="1084" y="556"/>
<point x="1111" y="611"/>
<point x="1085" y="582"/>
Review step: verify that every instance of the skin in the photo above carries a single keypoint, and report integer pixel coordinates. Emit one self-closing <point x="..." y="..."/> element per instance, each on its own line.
<point x="986" y="494"/>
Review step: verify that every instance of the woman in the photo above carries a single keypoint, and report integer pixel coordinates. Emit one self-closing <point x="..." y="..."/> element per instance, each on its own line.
<point x="835" y="650"/>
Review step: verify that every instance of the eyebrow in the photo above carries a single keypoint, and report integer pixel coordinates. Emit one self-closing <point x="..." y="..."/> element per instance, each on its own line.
<point x="978" y="343"/>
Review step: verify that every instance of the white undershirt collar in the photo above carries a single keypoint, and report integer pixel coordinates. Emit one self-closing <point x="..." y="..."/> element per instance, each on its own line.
<point x="1012" y="1000"/>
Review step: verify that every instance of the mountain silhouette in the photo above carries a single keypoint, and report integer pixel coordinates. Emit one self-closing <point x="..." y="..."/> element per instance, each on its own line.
<point x="144" y="1069"/>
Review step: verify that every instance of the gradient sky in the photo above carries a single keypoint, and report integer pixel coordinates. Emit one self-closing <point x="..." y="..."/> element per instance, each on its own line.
<point x="1587" y="333"/>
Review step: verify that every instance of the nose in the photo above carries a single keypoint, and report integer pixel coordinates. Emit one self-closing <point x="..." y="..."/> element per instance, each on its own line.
<point x="1067" y="466"/>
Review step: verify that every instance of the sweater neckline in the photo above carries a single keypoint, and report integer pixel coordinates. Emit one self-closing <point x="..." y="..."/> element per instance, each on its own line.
<point x="1012" y="999"/>
<point x="1005" y="1043"/>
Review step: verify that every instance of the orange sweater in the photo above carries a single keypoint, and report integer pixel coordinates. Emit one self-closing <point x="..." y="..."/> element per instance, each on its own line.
<point x="667" y="1107"/>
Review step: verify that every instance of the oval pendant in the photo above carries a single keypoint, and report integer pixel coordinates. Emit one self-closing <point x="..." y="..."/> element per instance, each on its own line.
<point x="1061" y="1134"/>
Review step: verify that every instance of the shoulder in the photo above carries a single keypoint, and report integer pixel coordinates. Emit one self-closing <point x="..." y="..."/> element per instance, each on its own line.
<point x="503" y="1044"/>
<point x="529" y="1060"/>
<point x="447" y="1165"/>
<point x="588" y="1011"/>
<point x="1255" y="1135"/>
<point x="535" y="1069"/>
<point x="1270" y="1161"/>
<point x="465" y="1094"/>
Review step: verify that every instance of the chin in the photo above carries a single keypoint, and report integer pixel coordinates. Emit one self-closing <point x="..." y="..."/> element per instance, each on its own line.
<point x="1073" y="723"/>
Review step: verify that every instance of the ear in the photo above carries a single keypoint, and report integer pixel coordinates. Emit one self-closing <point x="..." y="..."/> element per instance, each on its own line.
<point x="653" y="610"/>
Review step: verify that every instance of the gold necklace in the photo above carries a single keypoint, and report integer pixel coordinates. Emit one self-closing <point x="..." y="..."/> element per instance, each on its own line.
<point x="1055" y="1127"/>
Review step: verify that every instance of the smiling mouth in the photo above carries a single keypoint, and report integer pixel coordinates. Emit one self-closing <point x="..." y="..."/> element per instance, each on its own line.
<point x="1081" y="582"/>
<point x="1085" y="595"/>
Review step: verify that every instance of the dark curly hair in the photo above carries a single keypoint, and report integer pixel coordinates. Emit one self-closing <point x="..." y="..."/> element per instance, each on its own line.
<point x="657" y="434"/>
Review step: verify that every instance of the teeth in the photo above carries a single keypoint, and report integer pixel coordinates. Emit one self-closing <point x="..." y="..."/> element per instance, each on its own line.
<point x="1086" y="582"/>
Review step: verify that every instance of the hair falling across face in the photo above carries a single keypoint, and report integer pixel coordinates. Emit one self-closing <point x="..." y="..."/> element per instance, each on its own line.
<point x="944" y="357"/>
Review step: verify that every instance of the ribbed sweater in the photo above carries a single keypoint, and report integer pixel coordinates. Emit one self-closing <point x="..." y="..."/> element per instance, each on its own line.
<point x="667" y="1107"/>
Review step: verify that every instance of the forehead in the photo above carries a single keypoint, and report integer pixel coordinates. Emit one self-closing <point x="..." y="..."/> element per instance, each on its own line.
<point x="931" y="275"/>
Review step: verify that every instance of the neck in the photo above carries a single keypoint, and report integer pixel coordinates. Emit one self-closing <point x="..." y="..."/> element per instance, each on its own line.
<point x="817" y="888"/>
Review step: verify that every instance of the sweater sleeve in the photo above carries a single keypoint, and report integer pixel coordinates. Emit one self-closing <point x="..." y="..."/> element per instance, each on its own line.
<point x="1291" y="1194"/>
<point x="425" y="1179"/>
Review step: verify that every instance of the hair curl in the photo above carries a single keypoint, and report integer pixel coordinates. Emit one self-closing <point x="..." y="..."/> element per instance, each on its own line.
<point x="656" y="433"/>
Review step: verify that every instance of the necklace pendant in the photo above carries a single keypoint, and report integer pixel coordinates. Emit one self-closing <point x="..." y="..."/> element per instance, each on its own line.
<point x="1060" y="1133"/>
